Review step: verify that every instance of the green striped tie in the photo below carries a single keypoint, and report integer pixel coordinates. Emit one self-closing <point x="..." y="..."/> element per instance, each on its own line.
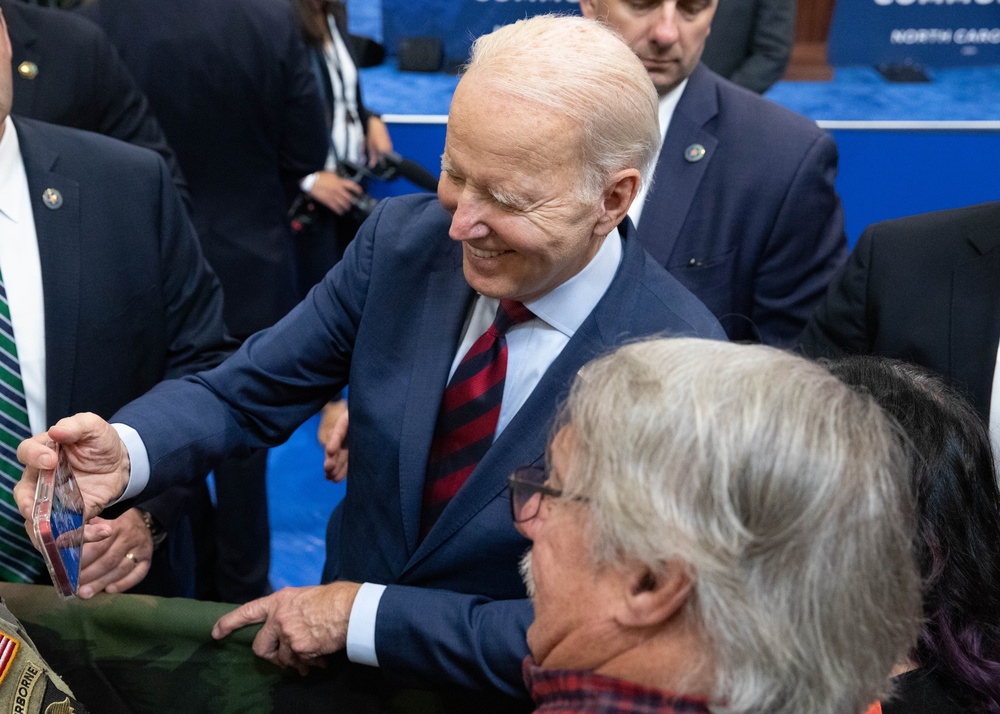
<point x="19" y="561"/>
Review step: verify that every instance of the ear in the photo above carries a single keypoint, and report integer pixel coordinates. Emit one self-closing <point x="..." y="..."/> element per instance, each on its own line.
<point x="654" y="598"/>
<point x="588" y="8"/>
<point x="616" y="199"/>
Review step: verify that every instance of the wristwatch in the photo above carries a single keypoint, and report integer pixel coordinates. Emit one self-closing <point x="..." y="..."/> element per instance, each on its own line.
<point x="157" y="531"/>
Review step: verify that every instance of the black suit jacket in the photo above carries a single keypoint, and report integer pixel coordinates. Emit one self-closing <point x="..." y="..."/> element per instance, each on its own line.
<point x="81" y="81"/>
<point x="925" y="289"/>
<point x="754" y="227"/>
<point x="751" y="41"/>
<point x="230" y="83"/>
<point x="129" y="299"/>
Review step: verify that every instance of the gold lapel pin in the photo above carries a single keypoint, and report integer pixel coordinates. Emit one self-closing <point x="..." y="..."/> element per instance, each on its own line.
<point x="695" y="152"/>
<point x="52" y="198"/>
<point x="28" y="70"/>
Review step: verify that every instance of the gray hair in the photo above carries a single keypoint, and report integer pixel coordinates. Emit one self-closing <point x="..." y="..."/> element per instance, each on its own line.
<point x="785" y="493"/>
<point x="583" y="70"/>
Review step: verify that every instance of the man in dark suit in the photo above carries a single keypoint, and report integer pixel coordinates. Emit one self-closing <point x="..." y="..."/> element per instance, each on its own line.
<point x="231" y="85"/>
<point x="743" y="209"/>
<point x="751" y="41"/>
<point x="422" y="554"/>
<point x="114" y="296"/>
<point x="925" y="289"/>
<point x="67" y="72"/>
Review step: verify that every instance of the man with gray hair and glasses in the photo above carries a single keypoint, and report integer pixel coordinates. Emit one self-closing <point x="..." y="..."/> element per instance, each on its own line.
<point x="721" y="528"/>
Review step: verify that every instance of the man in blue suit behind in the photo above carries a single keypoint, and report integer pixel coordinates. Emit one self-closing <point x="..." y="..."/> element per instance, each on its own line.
<point x="551" y="132"/>
<point x="743" y="209"/>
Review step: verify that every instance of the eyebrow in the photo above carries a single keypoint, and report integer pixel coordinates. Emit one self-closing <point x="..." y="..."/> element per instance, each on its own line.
<point x="508" y="199"/>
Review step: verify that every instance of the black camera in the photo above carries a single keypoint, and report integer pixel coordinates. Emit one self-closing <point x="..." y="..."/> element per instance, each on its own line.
<point x="363" y="204"/>
<point x="389" y="168"/>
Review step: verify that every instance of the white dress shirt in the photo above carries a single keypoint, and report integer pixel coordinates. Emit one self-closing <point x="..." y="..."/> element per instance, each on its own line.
<point x="22" y="275"/>
<point x="347" y="135"/>
<point x="667" y="106"/>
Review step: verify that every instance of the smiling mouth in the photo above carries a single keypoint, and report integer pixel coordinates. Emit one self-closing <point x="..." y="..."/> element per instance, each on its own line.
<point x="480" y="253"/>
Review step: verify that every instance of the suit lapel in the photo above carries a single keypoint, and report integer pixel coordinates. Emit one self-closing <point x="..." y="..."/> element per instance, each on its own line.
<point x="975" y="320"/>
<point x="672" y="193"/>
<point x="22" y="39"/>
<point x="58" y="234"/>
<point x="523" y="441"/>
<point x="445" y="306"/>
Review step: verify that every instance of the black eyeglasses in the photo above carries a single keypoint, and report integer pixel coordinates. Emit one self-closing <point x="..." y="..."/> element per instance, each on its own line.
<point x="527" y="487"/>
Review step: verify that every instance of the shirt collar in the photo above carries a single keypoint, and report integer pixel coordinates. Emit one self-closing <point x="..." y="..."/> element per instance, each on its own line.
<point x="568" y="305"/>
<point x="668" y="104"/>
<point x="12" y="178"/>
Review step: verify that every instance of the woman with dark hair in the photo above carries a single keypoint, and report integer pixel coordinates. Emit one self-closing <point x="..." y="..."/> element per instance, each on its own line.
<point x="358" y="137"/>
<point x="324" y="219"/>
<point x="955" y="666"/>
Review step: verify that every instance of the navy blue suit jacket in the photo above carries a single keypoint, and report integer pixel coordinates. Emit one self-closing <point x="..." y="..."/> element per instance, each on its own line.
<point x="129" y="299"/>
<point x="230" y="83"/>
<point x="925" y="289"/>
<point x="388" y="319"/>
<point x="755" y="229"/>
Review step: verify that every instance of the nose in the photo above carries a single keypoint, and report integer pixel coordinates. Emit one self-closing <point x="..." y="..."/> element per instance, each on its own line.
<point x="467" y="213"/>
<point x="664" y="30"/>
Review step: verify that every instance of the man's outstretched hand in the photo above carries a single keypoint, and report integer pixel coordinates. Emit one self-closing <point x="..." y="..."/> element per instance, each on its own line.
<point x="96" y="454"/>
<point x="301" y="625"/>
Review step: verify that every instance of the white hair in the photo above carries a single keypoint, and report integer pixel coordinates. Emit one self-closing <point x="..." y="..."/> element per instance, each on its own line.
<point x="583" y="70"/>
<point x="785" y="493"/>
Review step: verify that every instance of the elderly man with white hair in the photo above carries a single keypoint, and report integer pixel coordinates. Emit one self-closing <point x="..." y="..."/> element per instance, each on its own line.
<point x="720" y="528"/>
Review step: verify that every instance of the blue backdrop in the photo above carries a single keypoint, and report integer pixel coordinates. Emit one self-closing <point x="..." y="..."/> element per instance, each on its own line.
<point x="457" y="22"/>
<point x="933" y="33"/>
<point x="883" y="173"/>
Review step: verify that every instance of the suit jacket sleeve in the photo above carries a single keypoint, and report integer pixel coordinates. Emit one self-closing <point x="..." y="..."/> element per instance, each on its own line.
<point x="192" y="294"/>
<point x="276" y="380"/>
<point x="121" y="110"/>
<point x="305" y="137"/>
<point x="840" y="324"/>
<point x="197" y="338"/>
<point x="770" y="46"/>
<point x="421" y="633"/>
<point x="806" y="247"/>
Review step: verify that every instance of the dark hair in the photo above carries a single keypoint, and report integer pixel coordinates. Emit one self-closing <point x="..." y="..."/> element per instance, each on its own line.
<point x="312" y="15"/>
<point x="958" y="548"/>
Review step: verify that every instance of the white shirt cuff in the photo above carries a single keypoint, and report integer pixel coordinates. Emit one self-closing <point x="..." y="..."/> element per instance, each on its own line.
<point x="307" y="183"/>
<point x="138" y="462"/>
<point x="361" y="625"/>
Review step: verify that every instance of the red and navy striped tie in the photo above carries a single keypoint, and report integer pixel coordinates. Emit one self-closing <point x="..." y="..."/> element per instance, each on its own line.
<point x="469" y="413"/>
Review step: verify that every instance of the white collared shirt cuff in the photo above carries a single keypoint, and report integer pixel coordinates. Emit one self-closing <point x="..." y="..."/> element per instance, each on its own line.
<point x="307" y="183"/>
<point x="138" y="462"/>
<point x="361" y="625"/>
